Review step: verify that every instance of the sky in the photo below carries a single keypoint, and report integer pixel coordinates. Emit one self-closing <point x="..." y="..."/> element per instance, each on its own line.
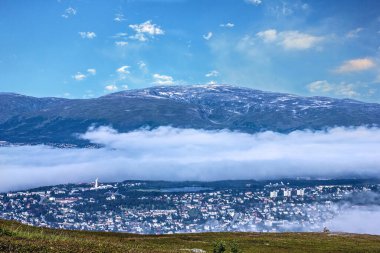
<point x="84" y="49"/>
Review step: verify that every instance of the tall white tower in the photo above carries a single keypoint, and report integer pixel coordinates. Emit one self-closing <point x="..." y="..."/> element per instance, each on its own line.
<point x="96" y="183"/>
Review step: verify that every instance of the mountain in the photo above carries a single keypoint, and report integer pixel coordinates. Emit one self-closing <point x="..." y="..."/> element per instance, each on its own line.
<point x="31" y="120"/>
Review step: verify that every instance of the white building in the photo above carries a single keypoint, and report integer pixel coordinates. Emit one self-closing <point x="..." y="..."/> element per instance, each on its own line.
<point x="300" y="192"/>
<point x="273" y="194"/>
<point x="287" y="193"/>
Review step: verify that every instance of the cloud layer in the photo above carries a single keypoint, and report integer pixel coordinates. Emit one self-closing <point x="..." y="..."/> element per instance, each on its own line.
<point x="360" y="219"/>
<point x="187" y="154"/>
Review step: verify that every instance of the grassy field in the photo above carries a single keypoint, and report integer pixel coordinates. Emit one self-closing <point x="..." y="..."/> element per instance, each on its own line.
<point x="15" y="237"/>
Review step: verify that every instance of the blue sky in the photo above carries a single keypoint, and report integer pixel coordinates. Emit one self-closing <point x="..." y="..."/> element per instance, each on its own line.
<point x="83" y="48"/>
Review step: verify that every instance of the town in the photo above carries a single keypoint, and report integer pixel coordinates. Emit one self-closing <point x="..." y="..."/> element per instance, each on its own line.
<point x="157" y="207"/>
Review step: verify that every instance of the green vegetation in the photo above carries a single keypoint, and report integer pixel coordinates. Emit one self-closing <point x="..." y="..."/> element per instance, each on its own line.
<point x="15" y="237"/>
<point x="235" y="247"/>
<point x="219" y="247"/>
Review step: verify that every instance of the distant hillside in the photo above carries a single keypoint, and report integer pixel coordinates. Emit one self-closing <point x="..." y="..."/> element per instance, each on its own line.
<point x="15" y="237"/>
<point x="56" y="120"/>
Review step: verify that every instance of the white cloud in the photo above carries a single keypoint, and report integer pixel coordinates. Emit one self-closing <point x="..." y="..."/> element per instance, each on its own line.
<point x="111" y="87"/>
<point x="354" y="33"/>
<point x="123" y="70"/>
<point x="254" y="2"/>
<point x="268" y="35"/>
<point x="207" y="36"/>
<point x="145" y="30"/>
<point x="346" y="90"/>
<point x="121" y="43"/>
<point x="139" y="36"/>
<point x="342" y="89"/>
<point x="69" y="12"/>
<point x="91" y="71"/>
<point x="120" y="35"/>
<point x="125" y="87"/>
<point x="281" y="9"/>
<point x="297" y="40"/>
<point x="212" y="73"/>
<point x="162" y="79"/>
<point x="169" y="153"/>
<point x="292" y="40"/>
<point x="320" y="86"/>
<point x="305" y="7"/>
<point x="355" y="65"/>
<point x="142" y="66"/>
<point x="121" y="38"/>
<point x="87" y="35"/>
<point x="119" y="17"/>
<point x="148" y="28"/>
<point x="227" y="25"/>
<point x="79" y="76"/>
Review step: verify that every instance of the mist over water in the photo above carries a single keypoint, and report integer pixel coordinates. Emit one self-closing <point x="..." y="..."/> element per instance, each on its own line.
<point x="168" y="153"/>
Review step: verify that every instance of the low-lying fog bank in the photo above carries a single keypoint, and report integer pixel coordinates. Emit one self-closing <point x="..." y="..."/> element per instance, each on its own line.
<point x="168" y="153"/>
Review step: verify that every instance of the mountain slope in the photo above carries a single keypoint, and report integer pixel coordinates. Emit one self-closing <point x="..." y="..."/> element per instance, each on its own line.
<point x="56" y="120"/>
<point x="15" y="237"/>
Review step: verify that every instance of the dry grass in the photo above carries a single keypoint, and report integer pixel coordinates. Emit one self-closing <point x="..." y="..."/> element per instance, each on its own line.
<point x="15" y="237"/>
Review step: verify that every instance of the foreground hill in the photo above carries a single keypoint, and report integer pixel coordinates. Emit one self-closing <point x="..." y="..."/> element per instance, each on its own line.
<point x="15" y="237"/>
<point x="56" y="120"/>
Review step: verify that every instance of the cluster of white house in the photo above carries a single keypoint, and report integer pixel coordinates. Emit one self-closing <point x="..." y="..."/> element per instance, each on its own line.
<point x="272" y="208"/>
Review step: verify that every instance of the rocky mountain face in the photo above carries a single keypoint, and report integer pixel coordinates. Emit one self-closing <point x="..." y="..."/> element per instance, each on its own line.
<point x="33" y="120"/>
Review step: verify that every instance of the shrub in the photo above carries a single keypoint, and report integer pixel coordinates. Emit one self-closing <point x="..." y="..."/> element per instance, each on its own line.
<point x="219" y="247"/>
<point x="6" y="232"/>
<point x="234" y="247"/>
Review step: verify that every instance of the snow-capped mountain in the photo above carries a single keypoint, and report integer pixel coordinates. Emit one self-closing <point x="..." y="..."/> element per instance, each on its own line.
<point x="56" y="120"/>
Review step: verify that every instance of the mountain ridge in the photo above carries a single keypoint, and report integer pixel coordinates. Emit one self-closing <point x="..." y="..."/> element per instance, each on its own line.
<point x="31" y="120"/>
<point x="2" y="93"/>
